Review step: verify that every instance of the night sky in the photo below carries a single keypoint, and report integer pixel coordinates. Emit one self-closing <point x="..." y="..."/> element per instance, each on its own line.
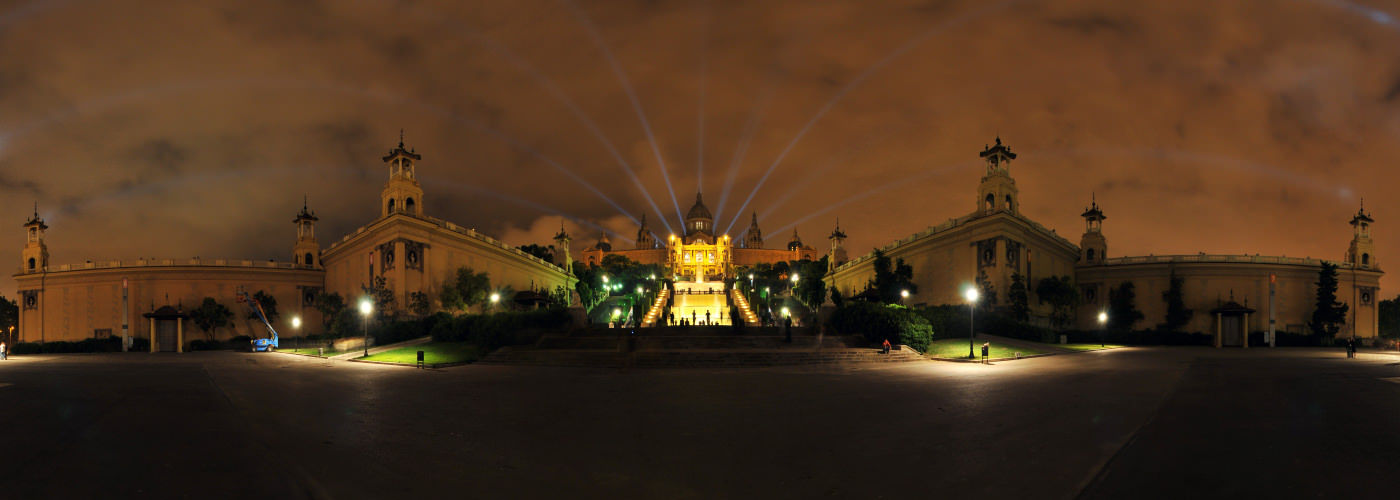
<point x="175" y="129"/>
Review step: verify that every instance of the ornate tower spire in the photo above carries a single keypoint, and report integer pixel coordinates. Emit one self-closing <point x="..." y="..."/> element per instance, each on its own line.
<point x="1362" y="252"/>
<point x="754" y="238"/>
<point x="997" y="192"/>
<point x="35" y="256"/>
<point x="562" y="257"/>
<point x="306" y="252"/>
<point x="1093" y="247"/>
<point x="838" y="249"/>
<point x="402" y="194"/>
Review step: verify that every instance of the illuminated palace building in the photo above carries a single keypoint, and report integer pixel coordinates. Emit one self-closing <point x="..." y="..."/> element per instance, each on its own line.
<point x="701" y="255"/>
<point x="1230" y="295"/>
<point x="404" y="250"/>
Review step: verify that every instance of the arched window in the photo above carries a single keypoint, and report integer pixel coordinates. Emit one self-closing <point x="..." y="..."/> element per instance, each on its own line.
<point x="1365" y="259"/>
<point x="308" y="259"/>
<point x="1089" y="255"/>
<point x="1009" y="208"/>
<point x="391" y="205"/>
<point x="408" y="205"/>
<point x="31" y="263"/>
<point x="991" y="203"/>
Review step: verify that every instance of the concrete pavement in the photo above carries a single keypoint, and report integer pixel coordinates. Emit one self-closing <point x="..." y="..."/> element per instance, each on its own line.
<point x="1124" y="423"/>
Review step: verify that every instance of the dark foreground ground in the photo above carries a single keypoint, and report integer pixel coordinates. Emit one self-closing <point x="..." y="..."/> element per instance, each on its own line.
<point x="1128" y="423"/>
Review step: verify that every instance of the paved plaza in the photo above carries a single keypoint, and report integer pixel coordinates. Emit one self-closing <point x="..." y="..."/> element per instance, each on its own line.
<point x="1124" y="423"/>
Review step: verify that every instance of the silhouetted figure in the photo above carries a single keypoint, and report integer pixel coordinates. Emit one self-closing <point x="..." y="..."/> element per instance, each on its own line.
<point x="787" y="329"/>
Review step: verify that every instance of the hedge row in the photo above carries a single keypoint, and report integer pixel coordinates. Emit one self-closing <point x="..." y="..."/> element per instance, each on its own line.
<point x="898" y="324"/>
<point x="109" y="344"/>
<point x="490" y="331"/>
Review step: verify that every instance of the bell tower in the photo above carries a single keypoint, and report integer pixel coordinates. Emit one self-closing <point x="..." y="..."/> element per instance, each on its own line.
<point x="561" y="250"/>
<point x="36" y="254"/>
<point x="754" y="238"/>
<point x="645" y="239"/>
<point x="1362" y="252"/>
<point x="997" y="192"/>
<point x="402" y="194"/>
<point x="306" y="252"/>
<point x="838" y="250"/>
<point x="1093" y="247"/>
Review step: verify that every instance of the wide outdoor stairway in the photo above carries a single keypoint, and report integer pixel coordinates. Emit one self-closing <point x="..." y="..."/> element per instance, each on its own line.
<point x="694" y="347"/>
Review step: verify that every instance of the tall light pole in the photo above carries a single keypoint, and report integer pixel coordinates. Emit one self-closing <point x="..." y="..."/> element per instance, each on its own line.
<point x="365" y="308"/>
<point x="296" y="327"/>
<point x="496" y="298"/>
<point x="1103" y="321"/>
<point x="971" y="295"/>
<point x="903" y="294"/>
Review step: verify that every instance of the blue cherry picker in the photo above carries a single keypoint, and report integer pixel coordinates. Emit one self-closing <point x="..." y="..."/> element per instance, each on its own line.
<point x="259" y="345"/>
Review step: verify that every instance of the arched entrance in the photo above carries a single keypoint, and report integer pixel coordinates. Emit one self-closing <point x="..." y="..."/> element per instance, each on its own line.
<point x="1232" y="325"/>
<point x="167" y="329"/>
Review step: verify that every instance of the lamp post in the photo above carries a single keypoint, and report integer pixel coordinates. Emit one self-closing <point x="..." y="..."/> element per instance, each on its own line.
<point x="971" y="295"/>
<point x="296" y="327"/>
<point x="365" y="308"/>
<point x="903" y="294"/>
<point x="1103" y="320"/>
<point x="496" y="298"/>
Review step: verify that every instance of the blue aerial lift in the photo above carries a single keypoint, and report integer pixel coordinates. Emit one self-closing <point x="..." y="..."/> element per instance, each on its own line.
<point x="259" y="345"/>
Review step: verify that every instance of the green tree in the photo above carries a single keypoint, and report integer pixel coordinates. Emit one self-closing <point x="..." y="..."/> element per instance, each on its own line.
<point x="1177" y="313"/>
<point x="1122" y="307"/>
<point x="330" y="305"/>
<point x="9" y="314"/>
<point x="465" y="289"/>
<point x="811" y="290"/>
<point x="890" y="281"/>
<point x="1389" y="318"/>
<point x="1020" y="302"/>
<point x="986" y="290"/>
<point x="544" y="253"/>
<point x="269" y="306"/>
<point x="1330" y="315"/>
<point x="418" y="303"/>
<point x="386" y="305"/>
<point x="1059" y="291"/>
<point x="836" y="298"/>
<point x="209" y="316"/>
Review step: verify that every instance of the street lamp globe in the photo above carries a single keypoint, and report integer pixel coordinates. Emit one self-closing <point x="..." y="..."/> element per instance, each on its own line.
<point x="495" y="297"/>
<point x="971" y="295"/>
<point x="1103" y="318"/>
<point x="904" y="294"/>
<point x="365" y="308"/>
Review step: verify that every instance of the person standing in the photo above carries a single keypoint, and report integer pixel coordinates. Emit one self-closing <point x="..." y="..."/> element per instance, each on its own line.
<point x="3" y="353"/>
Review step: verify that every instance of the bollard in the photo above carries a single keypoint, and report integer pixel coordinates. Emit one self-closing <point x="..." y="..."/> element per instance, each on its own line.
<point x="420" y="359"/>
<point x="320" y="351"/>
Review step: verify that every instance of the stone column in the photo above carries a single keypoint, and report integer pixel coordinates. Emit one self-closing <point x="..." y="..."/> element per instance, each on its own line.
<point x="1218" y="321"/>
<point x="153" y="335"/>
<point x="1246" y="330"/>
<point x="179" y="335"/>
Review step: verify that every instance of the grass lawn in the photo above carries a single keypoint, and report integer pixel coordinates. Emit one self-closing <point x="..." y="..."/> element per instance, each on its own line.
<point x="1086" y="347"/>
<point x="325" y="353"/>
<point x="957" y="348"/>
<point x="433" y="353"/>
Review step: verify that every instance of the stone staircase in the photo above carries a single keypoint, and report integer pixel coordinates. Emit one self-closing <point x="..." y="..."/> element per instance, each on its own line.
<point x="714" y="347"/>
<point x="749" y="317"/>
<point x="657" y="307"/>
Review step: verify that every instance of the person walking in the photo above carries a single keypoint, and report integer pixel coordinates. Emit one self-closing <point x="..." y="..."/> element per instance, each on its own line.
<point x="3" y="353"/>
<point x="1351" y="347"/>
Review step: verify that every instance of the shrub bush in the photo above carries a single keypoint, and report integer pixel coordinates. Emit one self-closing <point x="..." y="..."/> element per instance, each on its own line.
<point x="490" y="331"/>
<point x="878" y="322"/>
